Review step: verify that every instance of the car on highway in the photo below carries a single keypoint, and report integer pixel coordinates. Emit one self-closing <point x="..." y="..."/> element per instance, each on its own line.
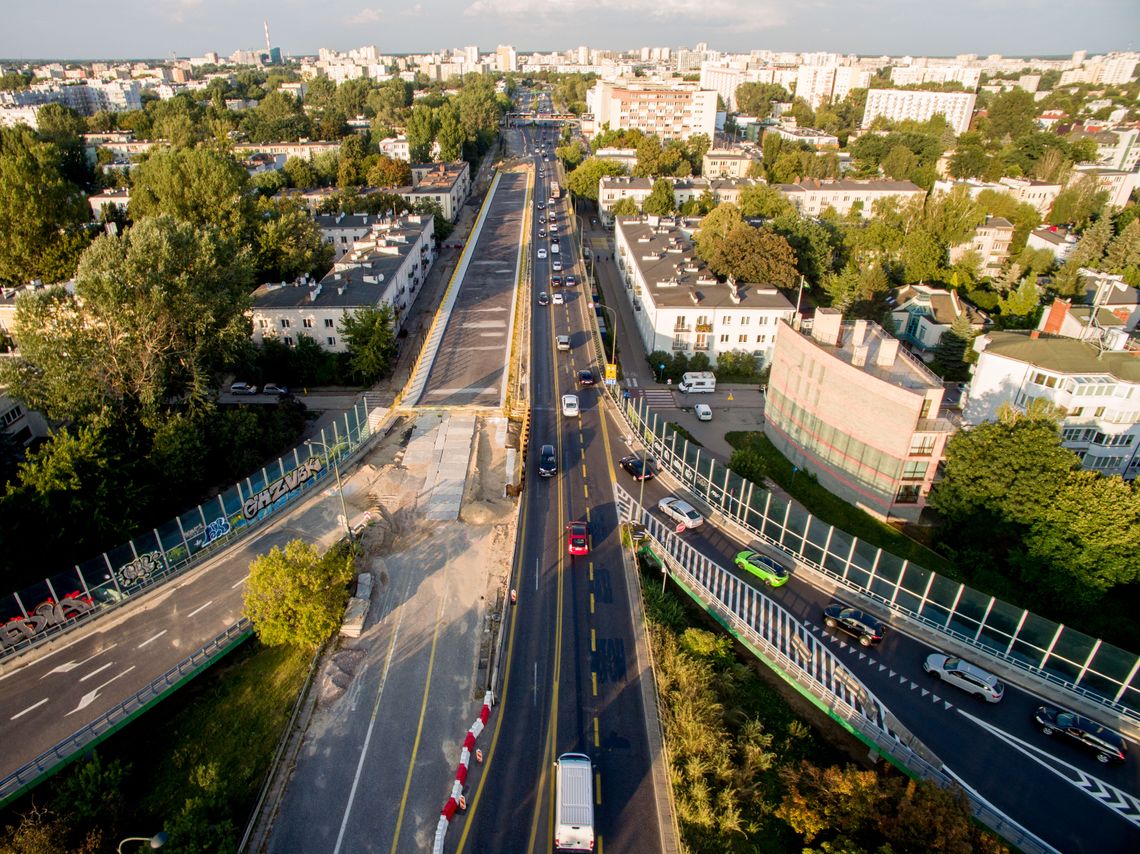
<point x="547" y="462"/>
<point x="638" y="468"/>
<point x="558" y="299"/>
<point x="859" y="624"/>
<point x="541" y="253"/>
<point x="571" y="281"/>
<point x="554" y="239"/>
<point x="541" y="233"/>
<point x="681" y="512"/>
<point x="556" y="265"/>
<point x="542" y="219"/>
<point x="1108" y="745"/>
<point x="969" y="677"/>
<point x="770" y="571"/>
<point x="543" y="298"/>
<point x="541" y="206"/>
<point x="556" y="281"/>
<point x="577" y="539"/>
<point x="585" y="377"/>
<point x="570" y="406"/>
<point x="242" y="388"/>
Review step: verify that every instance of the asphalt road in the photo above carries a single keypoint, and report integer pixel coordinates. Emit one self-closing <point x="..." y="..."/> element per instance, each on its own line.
<point x="470" y="366"/>
<point x="571" y="682"/>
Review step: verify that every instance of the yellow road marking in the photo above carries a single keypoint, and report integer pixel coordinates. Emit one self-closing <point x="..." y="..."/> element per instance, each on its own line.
<point x="594" y="681"/>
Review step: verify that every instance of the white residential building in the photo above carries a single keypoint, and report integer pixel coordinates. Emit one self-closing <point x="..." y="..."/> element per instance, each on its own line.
<point x="903" y="75"/>
<point x="613" y="188"/>
<point x="1118" y="183"/>
<point x="920" y="106"/>
<point x="815" y="138"/>
<point x="389" y="265"/>
<point x="341" y="231"/>
<point x="812" y="196"/>
<point x="396" y="147"/>
<point x="667" y="111"/>
<point x="118" y="199"/>
<point x="991" y="241"/>
<point x="923" y="314"/>
<point x="446" y="183"/>
<point x="727" y="163"/>
<point x="1099" y="392"/>
<point x="680" y="306"/>
<point x="1057" y="240"/>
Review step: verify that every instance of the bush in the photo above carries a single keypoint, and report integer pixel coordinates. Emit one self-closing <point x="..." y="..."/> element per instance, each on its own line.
<point x="738" y="366"/>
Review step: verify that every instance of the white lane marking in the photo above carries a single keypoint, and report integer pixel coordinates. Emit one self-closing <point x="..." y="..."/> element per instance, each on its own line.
<point x="96" y="671"/>
<point x="239" y="582"/>
<point x="33" y="706"/>
<point x="71" y="665"/>
<point x="371" y="724"/>
<point x="200" y="608"/>
<point x="89" y="698"/>
<point x="152" y="638"/>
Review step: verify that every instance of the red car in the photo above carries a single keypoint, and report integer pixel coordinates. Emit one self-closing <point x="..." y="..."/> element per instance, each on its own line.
<point x="577" y="539"/>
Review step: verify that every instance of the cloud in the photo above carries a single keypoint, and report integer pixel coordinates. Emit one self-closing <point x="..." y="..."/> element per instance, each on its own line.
<point x="414" y="12"/>
<point x="180" y="8"/>
<point x="365" y="16"/>
<point x="738" y="15"/>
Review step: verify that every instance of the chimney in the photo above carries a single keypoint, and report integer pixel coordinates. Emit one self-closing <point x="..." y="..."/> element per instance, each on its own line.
<point x="826" y="327"/>
<point x="860" y="333"/>
<point x="859" y="355"/>
<point x="888" y="352"/>
<point x="1055" y="318"/>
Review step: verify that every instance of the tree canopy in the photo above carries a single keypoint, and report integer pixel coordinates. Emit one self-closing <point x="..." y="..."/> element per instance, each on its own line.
<point x="583" y="181"/>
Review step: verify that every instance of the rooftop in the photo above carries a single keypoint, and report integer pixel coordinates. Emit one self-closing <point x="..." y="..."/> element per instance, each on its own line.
<point x="1064" y="355"/>
<point x="841" y="184"/>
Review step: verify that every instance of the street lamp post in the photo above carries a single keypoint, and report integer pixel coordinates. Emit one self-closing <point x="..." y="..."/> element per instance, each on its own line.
<point x="339" y="485"/>
<point x="156" y="841"/>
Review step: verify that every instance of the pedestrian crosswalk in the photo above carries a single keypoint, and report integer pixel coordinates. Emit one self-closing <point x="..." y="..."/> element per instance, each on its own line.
<point x="631" y="382"/>
<point x="659" y="397"/>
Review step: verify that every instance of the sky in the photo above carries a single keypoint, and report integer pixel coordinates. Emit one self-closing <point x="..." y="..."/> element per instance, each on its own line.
<point x="107" y="29"/>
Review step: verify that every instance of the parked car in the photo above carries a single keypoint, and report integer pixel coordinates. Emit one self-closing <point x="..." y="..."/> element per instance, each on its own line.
<point x="970" y="678"/>
<point x="543" y="298"/>
<point x="769" y="571"/>
<point x="703" y="412"/>
<point x="547" y="462"/>
<point x="273" y="388"/>
<point x="862" y="626"/>
<point x="1108" y="745"/>
<point x="570" y="406"/>
<point x="681" y="512"/>
<point x="242" y="388"/>
<point x="558" y="299"/>
<point x="577" y="539"/>
<point x="638" y="468"/>
<point x="585" y="377"/>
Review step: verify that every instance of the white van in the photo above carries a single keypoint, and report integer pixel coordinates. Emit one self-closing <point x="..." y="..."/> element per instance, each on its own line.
<point x="574" y="803"/>
<point x="696" y="381"/>
<point x="703" y="412"/>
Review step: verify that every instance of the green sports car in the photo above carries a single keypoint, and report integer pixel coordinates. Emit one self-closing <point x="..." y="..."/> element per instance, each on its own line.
<point x="763" y="567"/>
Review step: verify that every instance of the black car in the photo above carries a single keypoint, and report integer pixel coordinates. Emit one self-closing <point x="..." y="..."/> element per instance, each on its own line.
<point x="854" y="622"/>
<point x="547" y="462"/>
<point x="1106" y="744"/>
<point x="638" y="468"/>
<point x="585" y="377"/>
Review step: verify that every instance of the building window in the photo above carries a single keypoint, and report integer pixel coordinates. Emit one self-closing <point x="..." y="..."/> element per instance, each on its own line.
<point x="12" y="415"/>
<point x="288" y="341"/>
<point x="727" y="320"/>
<point x="745" y="320"/>
<point x="921" y="446"/>
<point x="724" y="339"/>
<point x="307" y="323"/>
<point x="330" y="341"/>
<point x="285" y="324"/>
<point x="743" y="339"/>
<point x="914" y="470"/>
<point x="328" y="323"/>
<point x="761" y="339"/>
<point x="263" y="323"/>
<point x="907" y="495"/>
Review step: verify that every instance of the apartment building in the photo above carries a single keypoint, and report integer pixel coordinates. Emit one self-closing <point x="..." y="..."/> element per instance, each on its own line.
<point x="680" y="306"/>
<point x="342" y="231"/>
<point x="1053" y="238"/>
<point x="1039" y="194"/>
<point x="991" y="240"/>
<point x="389" y="265"/>
<point x="812" y="196"/>
<point x="923" y="314"/>
<point x="1097" y="390"/>
<point x="727" y="163"/>
<point x="817" y="139"/>
<point x="847" y="405"/>
<point x="117" y="199"/>
<point x="1113" y="69"/>
<point x="900" y="104"/>
<point x="396" y="147"/>
<point x="1118" y="183"/>
<point x="613" y="188"/>
<point x="446" y="183"/>
<point x="907" y="75"/>
<point x="667" y="111"/>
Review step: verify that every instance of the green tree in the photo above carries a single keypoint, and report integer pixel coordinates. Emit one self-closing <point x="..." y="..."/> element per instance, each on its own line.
<point x="1021" y="304"/>
<point x="199" y="186"/>
<point x="1078" y="203"/>
<point x="765" y="201"/>
<point x="156" y="311"/>
<point x="923" y="256"/>
<point x="696" y="147"/>
<point x="296" y="596"/>
<point x="751" y="254"/>
<point x="756" y="99"/>
<point x="1011" y="115"/>
<point x="289" y="243"/>
<point x="815" y="244"/>
<point x="451" y="135"/>
<point x="660" y="200"/>
<point x="389" y="172"/>
<point x="370" y="336"/>
<point x="300" y="173"/>
<point x="1123" y="253"/>
<point x="42" y="212"/>
<point x="583" y="181"/>
<point x="950" y="354"/>
<point x="421" y="132"/>
<point x="625" y="207"/>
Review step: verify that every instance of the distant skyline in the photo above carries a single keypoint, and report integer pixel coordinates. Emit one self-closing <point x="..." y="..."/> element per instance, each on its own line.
<point x="114" y="29"/>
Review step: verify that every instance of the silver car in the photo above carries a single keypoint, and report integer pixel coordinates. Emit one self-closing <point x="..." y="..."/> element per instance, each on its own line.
<point x="681" y="512"/>
<point x="969" y="677"/>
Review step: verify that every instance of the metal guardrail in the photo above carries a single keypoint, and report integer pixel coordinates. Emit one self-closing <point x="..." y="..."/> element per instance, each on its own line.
<point x="776" y="637"/>
<point x="106" y="724"/>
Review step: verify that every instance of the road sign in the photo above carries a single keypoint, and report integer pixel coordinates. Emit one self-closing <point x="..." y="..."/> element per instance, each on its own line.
<point x="611" y="371"/>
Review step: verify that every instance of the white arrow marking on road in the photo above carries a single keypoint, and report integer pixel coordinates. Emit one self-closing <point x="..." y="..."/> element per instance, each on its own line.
<point x="202" y="608"/>
<point x="71" y="665"/>
<point x="89" y="698"/>
<point x="98" y="670"/>
<point x="151" y="638"/>
<point x="33" y="706"/>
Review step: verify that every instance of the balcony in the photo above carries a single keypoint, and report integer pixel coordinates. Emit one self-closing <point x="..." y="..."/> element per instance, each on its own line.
<point x="704" y="327"/>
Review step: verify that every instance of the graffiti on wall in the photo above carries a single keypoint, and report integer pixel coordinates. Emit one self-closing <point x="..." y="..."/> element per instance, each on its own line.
<point x="142" y="570"/>
<point x="45" y="615"/>
<point x="281" y="490"/>
<point x="214" y="531"/>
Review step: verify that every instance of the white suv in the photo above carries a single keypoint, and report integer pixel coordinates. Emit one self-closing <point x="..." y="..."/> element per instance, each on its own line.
<point x="968" y="677"/>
